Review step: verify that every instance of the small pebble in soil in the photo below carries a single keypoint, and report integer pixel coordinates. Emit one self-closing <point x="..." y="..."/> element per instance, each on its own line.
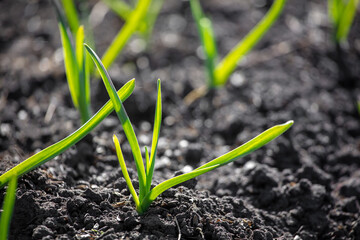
<point x="42" y="231"/>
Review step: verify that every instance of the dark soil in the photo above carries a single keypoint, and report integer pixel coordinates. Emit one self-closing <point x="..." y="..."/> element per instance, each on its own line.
<point x="303" y="185"/>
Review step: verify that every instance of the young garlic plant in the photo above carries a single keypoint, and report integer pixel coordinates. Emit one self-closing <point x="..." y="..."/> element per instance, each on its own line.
<point x="76" y="68"/>
<point x="218" y="73"/>
<point x="147" y="194"/>
<point x="342" y="13"/>
<point x="124" y="11"/>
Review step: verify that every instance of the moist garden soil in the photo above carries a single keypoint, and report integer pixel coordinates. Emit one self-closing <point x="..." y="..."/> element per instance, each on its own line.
<point x="303" y="185"/>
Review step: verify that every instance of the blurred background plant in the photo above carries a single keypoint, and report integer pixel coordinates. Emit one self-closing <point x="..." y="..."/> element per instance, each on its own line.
<point x="78" y="64"/>
<point x="77" y="71"/>
<point x="124" y="10"/>
<point x="218" y="73"/>
<point x="341" y="14"/>
<point x="139" y="16"/>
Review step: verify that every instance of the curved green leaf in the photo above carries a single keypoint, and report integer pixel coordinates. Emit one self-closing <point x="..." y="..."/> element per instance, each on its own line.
<point x="121" y="8"/>
<point x="155" y="138"/>
<point x="59" y="147"/>
<point x="71" y="14"/>
<point x="207" y="39"/>
<point x="250" y="146"/>
<point x="84" y="77"/>
<point x="235" y="154"/>
<point x="8" y="208"/>
<point x="124" y="119"/>
<point x="229" y="62"/>
<point x="345" y="19"/>
<point x="125" y="171"/>
<point x="125" y="33"/>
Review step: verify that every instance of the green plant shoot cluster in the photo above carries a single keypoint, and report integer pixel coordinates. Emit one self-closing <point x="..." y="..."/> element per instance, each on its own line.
<point x="342" y="13"/>
<point x="78" y="65"/>
<point x="77" y="71"/>
<point x="218" y="73"/>
<point x="142" y="18"/>
<point x="124" y="10"/>
<point x="8" y="207"/>
<point x="145" y="173"/>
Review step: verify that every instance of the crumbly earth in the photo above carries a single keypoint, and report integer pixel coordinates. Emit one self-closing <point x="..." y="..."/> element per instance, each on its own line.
<point x="304" y="185"/>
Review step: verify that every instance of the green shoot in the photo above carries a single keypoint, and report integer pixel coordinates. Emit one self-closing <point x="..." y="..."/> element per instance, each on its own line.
<point x="8" y="207"/>
<point x="147" y="195"/>
<point x="124" y="119"/>
<point x="219" y="74"/>
<point x="77" y="71"/>
<point x="227" y="158"/>
<point x="59" y="147"/>
<point x="150" y="18"/>
<point x="123" y="10"/>
<point x="207" y="38"/>
<point x="124" y="170"/>
<point x="71" y="14"/>
<point x="342" y="13"/>
<point x="155" y="138"/>
<point x="126" y="32"/>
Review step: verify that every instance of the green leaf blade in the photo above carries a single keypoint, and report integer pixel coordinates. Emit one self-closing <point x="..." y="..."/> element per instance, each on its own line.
<point x="106" y="78"/>
<point x="71" y="14"/>
<point x="121" y="8"/>
<point x="79" y="46"/>
<point x="155" y="138"/>
<point x="231" y="156"/>
<point x="334" y="10"/>
<point x="229" y="63"/>
<point x="71" y="66"/>
<point x="59" y="147"/>
<point x="147" y="160"/>
<point x="207" y="39"/>
<point x="84" y="77"/>
<point x="210" y="49"/>
<point x="345" y="19"/>
<point x="250" y="146"/>
<point x="125" y="33"/>
<point x="8" y="208"/>
<point x="125" y="172"/>
<point x="124" y="119"/>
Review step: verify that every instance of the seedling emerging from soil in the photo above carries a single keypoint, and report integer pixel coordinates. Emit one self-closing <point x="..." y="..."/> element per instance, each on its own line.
<point x="124" y="11"/>
<point x="59" y="147"/>
<point x="218" y="74"/>
<point x="77" y="71"/>
<point x="146" y="194"/>
<point x="8" y="208"/>
<point x="342" y="13"/>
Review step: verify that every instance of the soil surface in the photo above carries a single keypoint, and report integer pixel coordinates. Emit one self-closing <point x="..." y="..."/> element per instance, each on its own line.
<point x="304" y="185"/>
